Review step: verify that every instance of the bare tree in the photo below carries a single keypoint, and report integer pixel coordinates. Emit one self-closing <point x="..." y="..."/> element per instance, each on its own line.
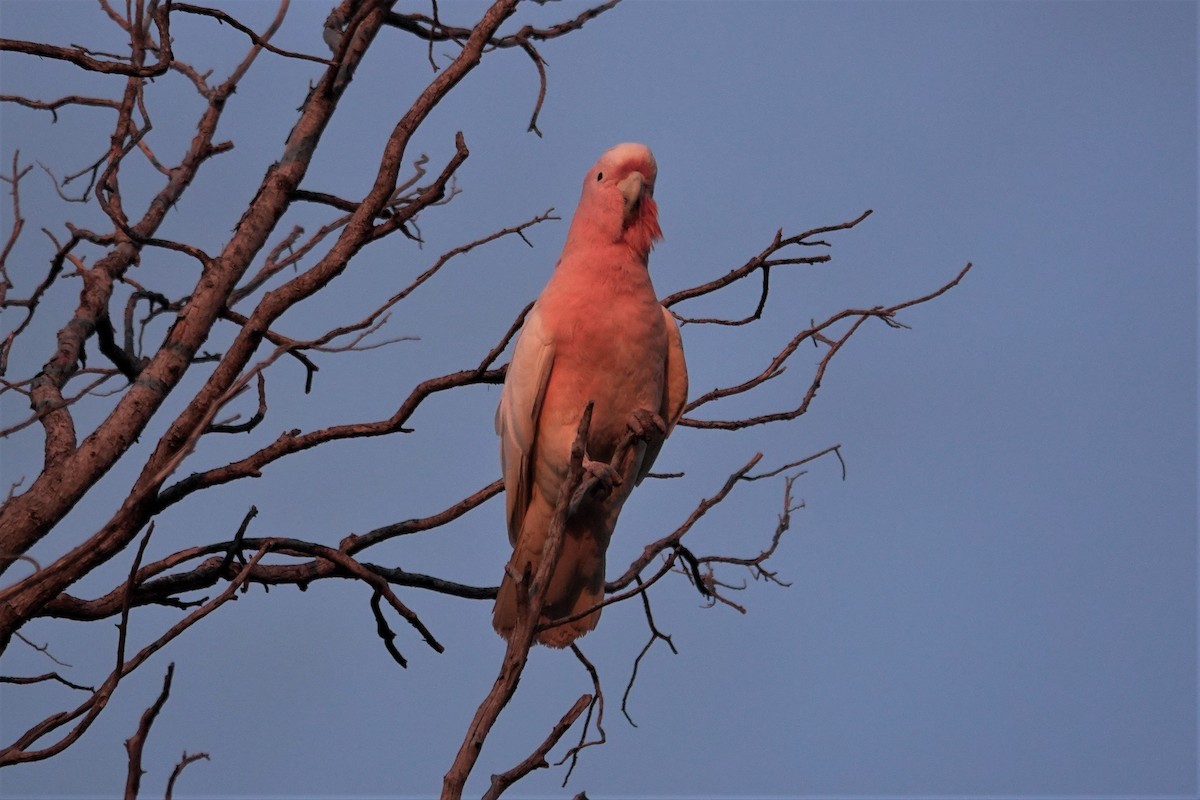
<point x="150" y="376"/>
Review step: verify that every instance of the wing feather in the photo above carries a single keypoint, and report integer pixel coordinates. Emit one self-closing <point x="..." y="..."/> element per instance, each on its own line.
<point x="518" y="414"/>
<point x="675" y="390"/>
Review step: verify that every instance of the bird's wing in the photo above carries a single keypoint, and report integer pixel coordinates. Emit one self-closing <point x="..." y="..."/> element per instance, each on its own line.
<point x="675" y="390"/>
<point x="518" y="413"/>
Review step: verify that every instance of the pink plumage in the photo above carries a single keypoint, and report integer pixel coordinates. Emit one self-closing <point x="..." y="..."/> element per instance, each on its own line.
<point x="596" y="334"/>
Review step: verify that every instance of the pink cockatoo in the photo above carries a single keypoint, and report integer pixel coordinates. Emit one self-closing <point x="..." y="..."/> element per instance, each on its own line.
<point x="597" y="333"/>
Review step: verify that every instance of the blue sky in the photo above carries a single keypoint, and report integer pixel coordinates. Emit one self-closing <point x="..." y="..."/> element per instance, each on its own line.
<point x="1000" y="599"/>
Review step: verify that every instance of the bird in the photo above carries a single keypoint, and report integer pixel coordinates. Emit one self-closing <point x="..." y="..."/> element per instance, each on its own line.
<point x="597" y="333"/>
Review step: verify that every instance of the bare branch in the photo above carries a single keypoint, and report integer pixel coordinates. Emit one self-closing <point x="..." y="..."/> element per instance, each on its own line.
<point x="815" y="333"/>
<point x="19" y="752"/>
<point x="14" y="180"/>
<point x="259" y="41"/>
<point x="80" y="57"/>
<point x="71" y="472"/>
<point x="540" y="64"/>
<point x="375" y="581"/>
<point x="184" y="761"/>
<point x="44" y="649"/>
<point x="597" y="705"/>
<point x="385" y="631"/>
<point x="537" y="759"/>
<point x="102" y="377"/>
<point x="135" y="744"/>
<point x="433" y="30"/>
<point x="655" y="635"/>
<point x="252" y="423"/>
<point x="152" y="589"/>
<point x="49" y="676"/>
<point x="761" y="260"/>
<point x="835" y="449"/>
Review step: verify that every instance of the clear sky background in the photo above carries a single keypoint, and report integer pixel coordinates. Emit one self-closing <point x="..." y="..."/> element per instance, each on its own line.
<point x="999" y="600"/>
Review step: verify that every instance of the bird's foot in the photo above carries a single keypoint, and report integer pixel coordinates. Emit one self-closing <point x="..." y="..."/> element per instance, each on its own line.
<point x="647" y="425"/>
<point x="606" y="476"/>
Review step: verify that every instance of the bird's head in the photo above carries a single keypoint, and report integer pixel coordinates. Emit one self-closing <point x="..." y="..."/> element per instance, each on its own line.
<point x="617" y="203"/>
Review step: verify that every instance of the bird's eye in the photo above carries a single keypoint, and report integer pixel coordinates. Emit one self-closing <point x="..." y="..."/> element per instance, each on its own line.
<point x="599" y="176"/>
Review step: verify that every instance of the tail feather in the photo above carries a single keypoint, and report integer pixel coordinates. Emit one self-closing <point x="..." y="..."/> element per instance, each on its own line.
<point x="576" y="585"/>
<point x="563" y="635"/>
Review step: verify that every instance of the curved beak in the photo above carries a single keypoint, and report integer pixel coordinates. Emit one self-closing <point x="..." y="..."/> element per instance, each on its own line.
<point x="633" y="186"/>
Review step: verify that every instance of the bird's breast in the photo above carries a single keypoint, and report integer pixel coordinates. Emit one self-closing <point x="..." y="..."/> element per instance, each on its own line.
<point x="611" y="351"/>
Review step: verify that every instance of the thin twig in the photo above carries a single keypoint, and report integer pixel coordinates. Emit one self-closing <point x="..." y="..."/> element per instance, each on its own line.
<point x="135" y="744"/>
<point x="537" y="759"/>
<point x="655" y="635"/>
<point x="597" y="705"/>
<point x="179" y="767"/>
